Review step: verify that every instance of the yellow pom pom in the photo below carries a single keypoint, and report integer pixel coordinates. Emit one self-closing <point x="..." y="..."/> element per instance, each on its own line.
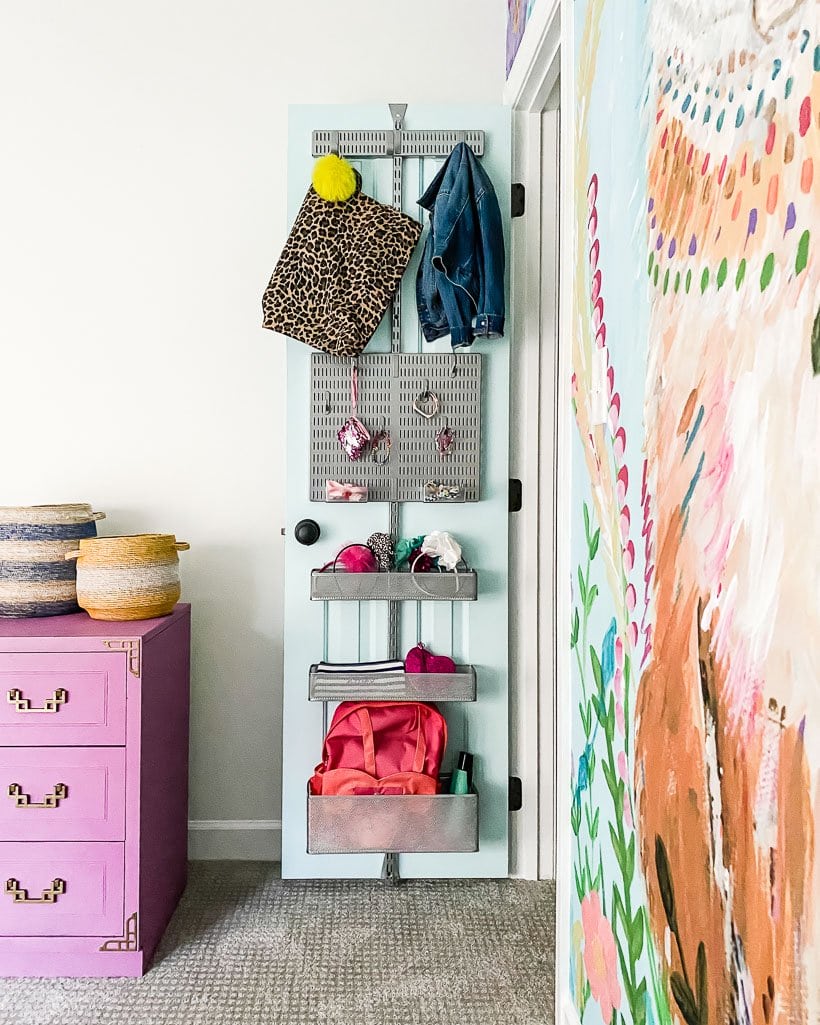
<point x="333" y="178"/>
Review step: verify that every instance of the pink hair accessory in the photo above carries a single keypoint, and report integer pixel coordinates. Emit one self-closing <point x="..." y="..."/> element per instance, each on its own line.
<point x="354" y="559"/>
<point x="338" y="492"/>
<point x="445" y="439"/>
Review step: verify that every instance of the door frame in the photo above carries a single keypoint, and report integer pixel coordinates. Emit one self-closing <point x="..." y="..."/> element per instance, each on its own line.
<point x="540" y="534"/>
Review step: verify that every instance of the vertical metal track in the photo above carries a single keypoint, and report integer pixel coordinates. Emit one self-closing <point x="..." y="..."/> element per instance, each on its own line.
<point x="397" y="111"/>
<point x="390" y="865"/>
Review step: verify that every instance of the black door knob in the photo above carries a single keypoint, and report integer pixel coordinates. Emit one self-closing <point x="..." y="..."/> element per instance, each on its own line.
<point x="307" y="532"/>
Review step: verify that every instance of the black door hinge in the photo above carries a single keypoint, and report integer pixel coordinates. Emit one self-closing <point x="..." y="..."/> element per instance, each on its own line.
<point x="516" y="495"/>
<point x="516" y="798"/>
<point x="517" y="195"/>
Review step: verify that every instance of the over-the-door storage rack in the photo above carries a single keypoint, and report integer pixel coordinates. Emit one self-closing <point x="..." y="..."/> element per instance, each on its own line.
<point x="452" y="820"/>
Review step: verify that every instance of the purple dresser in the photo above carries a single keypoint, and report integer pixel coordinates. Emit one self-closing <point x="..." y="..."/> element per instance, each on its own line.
<point x="93" y="791"/>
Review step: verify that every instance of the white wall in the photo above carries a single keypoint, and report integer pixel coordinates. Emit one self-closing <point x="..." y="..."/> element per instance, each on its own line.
<point x="142" y="207"/>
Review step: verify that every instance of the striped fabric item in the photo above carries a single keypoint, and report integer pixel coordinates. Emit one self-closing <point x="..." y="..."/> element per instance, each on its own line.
<point x="360" y="668"/>
<point x="35" y="578"/>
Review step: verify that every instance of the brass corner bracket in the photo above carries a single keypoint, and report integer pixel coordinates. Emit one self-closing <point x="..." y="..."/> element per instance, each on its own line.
<point x="133" y="649"/>
<point x="129" y="939"/>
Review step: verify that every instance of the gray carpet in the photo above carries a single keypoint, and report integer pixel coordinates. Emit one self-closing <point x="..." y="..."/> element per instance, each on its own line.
<point x="246" y="948"/>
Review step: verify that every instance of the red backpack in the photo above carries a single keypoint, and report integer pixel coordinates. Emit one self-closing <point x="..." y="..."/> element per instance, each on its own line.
<point x="382" y="747"/>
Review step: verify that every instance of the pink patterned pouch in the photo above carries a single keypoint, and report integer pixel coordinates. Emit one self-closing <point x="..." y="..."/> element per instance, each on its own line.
<point x="354" y="438"/>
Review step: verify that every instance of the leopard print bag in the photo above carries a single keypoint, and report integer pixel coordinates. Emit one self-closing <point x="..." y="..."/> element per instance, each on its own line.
<point x="340" y="266"/>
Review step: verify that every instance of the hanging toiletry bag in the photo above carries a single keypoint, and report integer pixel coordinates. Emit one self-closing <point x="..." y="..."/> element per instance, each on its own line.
<point x="339" y="269"/>
<point x="382" y="747"/>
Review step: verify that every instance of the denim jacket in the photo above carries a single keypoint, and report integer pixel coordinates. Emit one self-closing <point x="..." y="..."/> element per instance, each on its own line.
<point x="460" y="281"/>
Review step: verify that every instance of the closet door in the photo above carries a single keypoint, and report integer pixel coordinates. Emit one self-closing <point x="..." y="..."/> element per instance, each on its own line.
<point x="472" y="632"/>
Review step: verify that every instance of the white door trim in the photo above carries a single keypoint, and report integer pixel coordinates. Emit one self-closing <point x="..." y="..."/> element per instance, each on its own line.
<point x="525" y="420"/>
<point x="532" y="442"/>
<point x="545" y="55"/>
<point x="550" y="403"/>
<point x="563" y="719"/>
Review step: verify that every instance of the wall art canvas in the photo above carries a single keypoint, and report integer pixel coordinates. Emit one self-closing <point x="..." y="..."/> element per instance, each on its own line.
<point x="696" y="498"/>
<point x="518" y="14"/>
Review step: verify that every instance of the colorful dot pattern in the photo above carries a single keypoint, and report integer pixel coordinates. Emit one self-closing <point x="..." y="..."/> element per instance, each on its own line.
<point x="731" y="176"/>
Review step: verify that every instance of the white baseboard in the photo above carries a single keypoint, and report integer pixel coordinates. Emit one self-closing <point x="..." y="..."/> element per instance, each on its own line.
<point x="235" y="840"/>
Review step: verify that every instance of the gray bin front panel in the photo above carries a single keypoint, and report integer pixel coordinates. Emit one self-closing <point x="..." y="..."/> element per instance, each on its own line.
<point x="340" y="586"/>
<point x="393" y="825"/>
<point x="457" y="686"/>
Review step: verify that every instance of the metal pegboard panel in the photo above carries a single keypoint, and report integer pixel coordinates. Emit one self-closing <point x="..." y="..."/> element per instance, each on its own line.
<point x="331" y="406"/>
<point x="388" y="143"/>
<point x="389" y="383"/>
<point x="456" y="380"/>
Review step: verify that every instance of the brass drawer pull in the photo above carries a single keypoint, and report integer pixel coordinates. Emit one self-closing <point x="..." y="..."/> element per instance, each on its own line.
<point x="52" y="800"/>
<point x="52" y="704"/>
<point x="20" y="896"/>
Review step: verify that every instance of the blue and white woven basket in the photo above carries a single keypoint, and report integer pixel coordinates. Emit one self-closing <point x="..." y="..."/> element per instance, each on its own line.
<point x="35" y="578"/>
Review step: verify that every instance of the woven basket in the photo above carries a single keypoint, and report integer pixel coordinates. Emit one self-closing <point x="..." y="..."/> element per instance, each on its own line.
<point x="127" y="578"/>
<point x="35" y="579"/>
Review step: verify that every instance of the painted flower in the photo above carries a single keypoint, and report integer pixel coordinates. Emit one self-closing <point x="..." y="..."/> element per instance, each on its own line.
<point x="577" y="963"/>
<point x="608" y="654"/>
<point x="583" y="769"/>
<point x="627" y="811"/>
<point x="600" y="957"/>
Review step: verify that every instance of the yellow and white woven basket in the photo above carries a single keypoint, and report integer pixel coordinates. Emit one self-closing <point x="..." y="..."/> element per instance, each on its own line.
<point x="131" y="577"/>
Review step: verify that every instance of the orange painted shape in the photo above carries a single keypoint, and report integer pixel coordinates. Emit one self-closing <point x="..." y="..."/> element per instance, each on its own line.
<point x="736" y="207"/>
<point x="770" y="138"/>
<point x="771" y="197"/>
<point x="807" y="174"/>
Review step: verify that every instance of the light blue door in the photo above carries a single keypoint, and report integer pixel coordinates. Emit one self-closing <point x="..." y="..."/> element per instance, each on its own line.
<point x="473" y="632"/>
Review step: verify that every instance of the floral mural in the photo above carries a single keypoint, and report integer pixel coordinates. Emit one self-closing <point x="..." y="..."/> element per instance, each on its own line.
<point x="696" y="490"/>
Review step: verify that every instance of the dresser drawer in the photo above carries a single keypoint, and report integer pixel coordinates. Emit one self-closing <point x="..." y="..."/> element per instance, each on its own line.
<point x="62" y="793"/>
<point x="61" y="889"/>
<point x="71" y="698"/>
